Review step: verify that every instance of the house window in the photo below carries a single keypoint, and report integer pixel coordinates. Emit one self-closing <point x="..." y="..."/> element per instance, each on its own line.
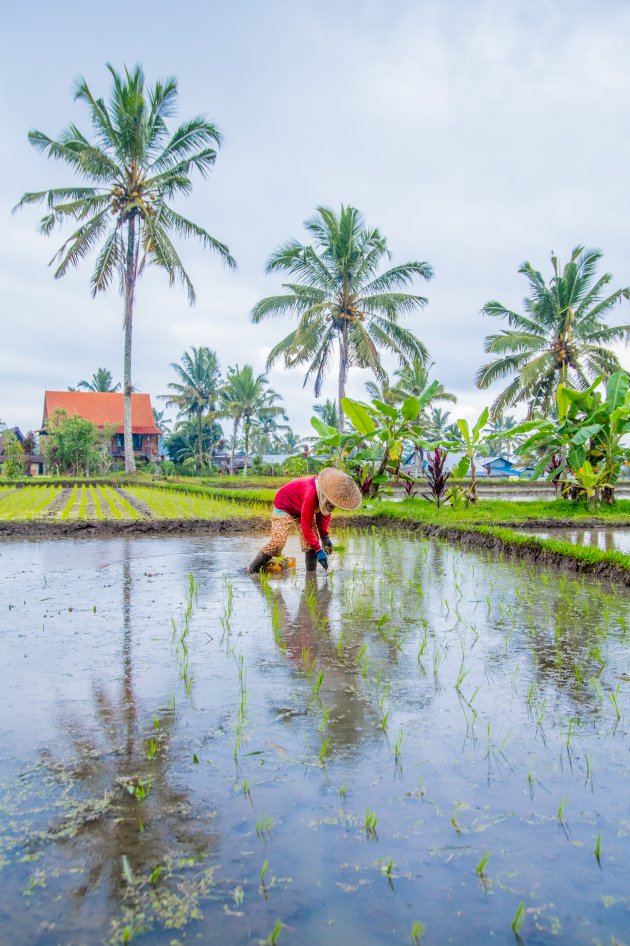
<point x="136" y="440"/>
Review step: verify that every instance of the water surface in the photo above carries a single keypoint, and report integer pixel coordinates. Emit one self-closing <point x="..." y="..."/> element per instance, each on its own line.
<point x="190" y="755"/>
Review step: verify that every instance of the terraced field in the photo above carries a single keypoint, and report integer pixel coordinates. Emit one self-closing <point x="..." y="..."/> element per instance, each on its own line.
<point x="87" y="502"/>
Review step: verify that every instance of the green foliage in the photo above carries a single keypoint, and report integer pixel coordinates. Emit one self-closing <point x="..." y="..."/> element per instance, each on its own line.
<point x="13" y="466"/>
<point x="246" y="396"/>
<point x="295" y="466"/>
<point x="121" y="208"/>
<point x="584" y="449"/>
<point x="341" y="300"/>
<point x="75" y="445"/>
<point x="561" y="337"/>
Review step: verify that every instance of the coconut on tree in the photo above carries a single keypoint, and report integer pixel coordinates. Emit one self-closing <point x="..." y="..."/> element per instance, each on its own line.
<point x="128" y="172"/>
<point x="342" y="301"/>
<point x="561" y="335"/>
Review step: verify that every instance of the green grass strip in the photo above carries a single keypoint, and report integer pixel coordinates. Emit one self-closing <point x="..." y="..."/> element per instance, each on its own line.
<point x="68" y="507"/>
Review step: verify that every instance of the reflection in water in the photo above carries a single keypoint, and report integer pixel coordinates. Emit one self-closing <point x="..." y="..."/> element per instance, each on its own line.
<point x="390" y="684"/>
<point x="122" y="818"/>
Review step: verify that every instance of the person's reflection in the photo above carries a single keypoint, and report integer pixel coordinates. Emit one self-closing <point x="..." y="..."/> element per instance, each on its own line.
<point x="307" y="637"/>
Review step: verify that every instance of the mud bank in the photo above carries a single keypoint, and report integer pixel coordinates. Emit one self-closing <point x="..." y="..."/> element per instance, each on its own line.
<point x="51" y="529"/>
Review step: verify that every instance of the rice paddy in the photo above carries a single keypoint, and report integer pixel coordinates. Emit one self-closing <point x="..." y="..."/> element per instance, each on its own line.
<point x="424" y="745"/>
<point x="87" y="502"/>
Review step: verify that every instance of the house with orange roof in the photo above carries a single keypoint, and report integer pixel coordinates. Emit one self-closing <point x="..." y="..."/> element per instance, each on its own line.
<point x="105" y="409"/>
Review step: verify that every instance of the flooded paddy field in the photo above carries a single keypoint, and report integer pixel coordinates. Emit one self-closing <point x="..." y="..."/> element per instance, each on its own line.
<point x="607" y="539"/>
<point x="425" y="745"/>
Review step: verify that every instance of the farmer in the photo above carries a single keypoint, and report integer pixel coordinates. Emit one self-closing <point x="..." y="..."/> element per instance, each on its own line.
<point x="307" y="502"/>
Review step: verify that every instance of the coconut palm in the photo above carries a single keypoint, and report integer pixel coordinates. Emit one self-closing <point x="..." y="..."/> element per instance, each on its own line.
<point x="127" y="175"/>
<point x="244" y="397"/>
<point x="197" y="391"/>
<point x="414" y="381"/>
<point x="162" y="423"/>
<point x="560" y="337"/>
<point x="384" y="393"/>
<point x="101" y="382"/>
<point x="266" y="434"/>
<point x="439" y="422"/>
<point x="341" y="301"/>
<point x="328" y="413"/>
<point x="499" y="433"/>
<point x="292" y="442"/>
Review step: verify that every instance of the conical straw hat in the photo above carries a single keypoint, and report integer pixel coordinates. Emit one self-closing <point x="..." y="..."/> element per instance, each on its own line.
<point x="339" y="488"/>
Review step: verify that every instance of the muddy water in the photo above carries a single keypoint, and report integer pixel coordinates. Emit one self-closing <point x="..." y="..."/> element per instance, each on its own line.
<point x="195" y="759"/>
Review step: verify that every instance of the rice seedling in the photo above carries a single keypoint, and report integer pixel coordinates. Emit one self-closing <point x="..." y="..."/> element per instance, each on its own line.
<point x="416" y="935"/>
<point x="480" y="869"/>
<point x="323" y="750"/>
<point x="264" y="826"/>
<point x="343" y="790"/>
<point x="319" y="681"/>
<point x="398" y="747"/>
<point x="247" y="789"/>
<point x="370" y="822"/>
<point x="324" y="720"/>
<point x="263" y="870"/>
<point x="151" y="749"/>
<point x="519" y="919"/>
<point x="562" y="804"/>
<point x="272" y="939"/>
<point x="598" y="849"/>
<point x="154" y="875"/>
<point x="388" y="868"/>
<point x="455" y="817"/>
<point x="614" y="702"/>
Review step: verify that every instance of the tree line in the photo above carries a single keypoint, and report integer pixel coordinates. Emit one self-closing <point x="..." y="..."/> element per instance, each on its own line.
<point x="348" y="307"/>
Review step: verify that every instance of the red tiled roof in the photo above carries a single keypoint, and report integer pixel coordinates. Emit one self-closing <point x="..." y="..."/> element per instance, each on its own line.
<point x="102" y="408"/>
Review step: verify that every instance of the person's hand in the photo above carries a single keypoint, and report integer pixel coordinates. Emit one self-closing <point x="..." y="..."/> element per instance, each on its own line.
<point x="322" y="558"/>
<point x="328" y="546"/>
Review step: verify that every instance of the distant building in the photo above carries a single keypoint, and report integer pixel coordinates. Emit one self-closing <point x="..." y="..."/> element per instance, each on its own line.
<point x="36" y="465"/>
<point x="500" y="466"/>
<point x="106" y="410"/>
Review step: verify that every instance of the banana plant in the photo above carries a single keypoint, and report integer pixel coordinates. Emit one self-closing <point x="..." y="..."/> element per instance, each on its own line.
<point x="373" y="451"/>
<point x="470" y="440"/>
<point x="587" y="439"/>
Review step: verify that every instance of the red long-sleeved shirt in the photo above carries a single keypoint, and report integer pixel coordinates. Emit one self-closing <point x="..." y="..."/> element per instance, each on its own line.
<point x="299" y="499"/>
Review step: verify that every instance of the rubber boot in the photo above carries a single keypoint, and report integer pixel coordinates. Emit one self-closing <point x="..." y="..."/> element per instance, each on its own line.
<point x="261" y="560"/>
<point x="310" y="558"/>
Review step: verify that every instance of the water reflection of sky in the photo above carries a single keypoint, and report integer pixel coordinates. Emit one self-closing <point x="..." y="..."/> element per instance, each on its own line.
<point x="609" y="540"/>
<point x="458" y="696"/>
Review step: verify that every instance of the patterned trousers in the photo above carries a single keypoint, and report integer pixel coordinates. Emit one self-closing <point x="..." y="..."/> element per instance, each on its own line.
<point x="280" y="527"/>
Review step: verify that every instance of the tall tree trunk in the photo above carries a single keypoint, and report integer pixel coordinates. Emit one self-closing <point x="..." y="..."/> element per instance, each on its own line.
<point x="246" y="444"/>
<point x="199" y="440"/>
<point x="234" y="435"/>
<point x="343" y="371"/>
<point x="130" y="285"/>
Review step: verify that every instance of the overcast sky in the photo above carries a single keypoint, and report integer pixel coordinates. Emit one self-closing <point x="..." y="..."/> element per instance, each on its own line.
<point x="475" y="135"/>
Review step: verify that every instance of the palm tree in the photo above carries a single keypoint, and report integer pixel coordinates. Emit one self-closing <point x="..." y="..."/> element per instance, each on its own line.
<point x="499" y="433"/>
<point x="127" y="175"/>
<point x="243" y="397"/>
<point x="384" y="393"/>
<point x="197" y="391"/>
<point x="439" y="422"/>
<point x="161" y="422"/>
<point x="101" y="381"/>
<point x="328" y="413"/>
<point x="340" y="299"/>
<point x="414" y="380"/>
<point x="266" y="433"/>
<point x="560" y="338"/>
<point x="292" y="442"/>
